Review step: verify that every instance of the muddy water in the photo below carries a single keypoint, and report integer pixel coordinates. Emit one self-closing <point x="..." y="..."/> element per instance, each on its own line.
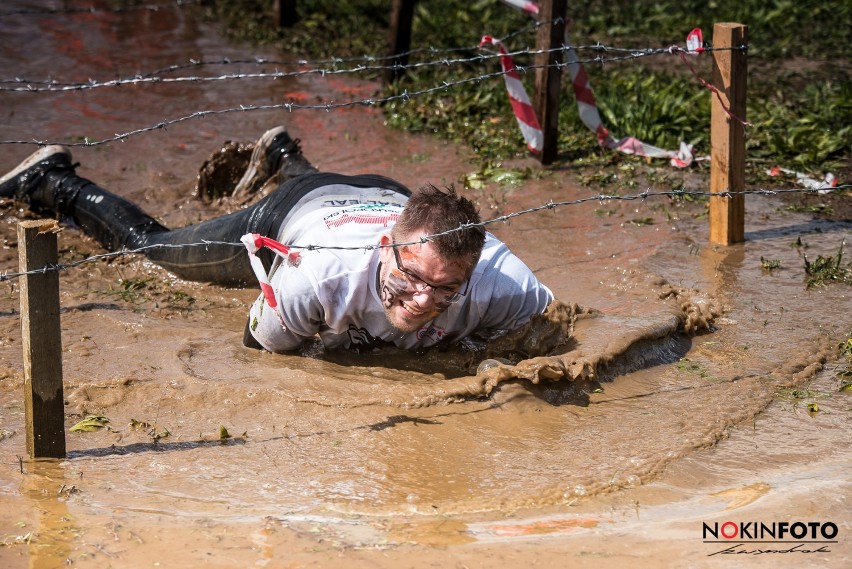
<point x="676" y="345"/>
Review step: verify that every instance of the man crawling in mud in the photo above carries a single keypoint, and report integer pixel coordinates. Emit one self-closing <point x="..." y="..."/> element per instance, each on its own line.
<point x="377" y="265"/>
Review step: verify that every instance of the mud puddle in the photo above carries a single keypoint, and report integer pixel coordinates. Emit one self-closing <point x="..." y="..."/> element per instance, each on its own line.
<point x="331" y="459"/>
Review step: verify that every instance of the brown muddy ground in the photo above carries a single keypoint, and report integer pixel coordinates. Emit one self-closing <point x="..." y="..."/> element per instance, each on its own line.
<point x="681" y="400"/>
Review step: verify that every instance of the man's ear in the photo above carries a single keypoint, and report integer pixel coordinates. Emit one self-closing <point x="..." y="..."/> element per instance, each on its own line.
<point x="385" y="240"/>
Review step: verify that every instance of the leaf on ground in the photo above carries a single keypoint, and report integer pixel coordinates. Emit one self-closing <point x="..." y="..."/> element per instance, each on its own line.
<point x="139" y="425"/>
<point x="90" y="423"/>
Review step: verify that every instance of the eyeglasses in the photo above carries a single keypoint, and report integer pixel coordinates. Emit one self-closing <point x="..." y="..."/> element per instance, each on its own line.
<point x="443" y="295"/>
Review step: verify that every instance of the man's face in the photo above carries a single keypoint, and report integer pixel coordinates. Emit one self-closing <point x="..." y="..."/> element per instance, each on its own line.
<point x="408" y="288"/>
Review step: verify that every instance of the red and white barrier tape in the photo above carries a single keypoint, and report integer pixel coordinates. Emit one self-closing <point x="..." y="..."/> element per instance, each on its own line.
<point x="588" y="110"/>
<point x="695" y="42"/>
<point x="822" y="186"/>
<point x="694" y="46"/>
<point x="523" y="109"/>
<point x="525" y="5"/>
<point x="586" y="104"/>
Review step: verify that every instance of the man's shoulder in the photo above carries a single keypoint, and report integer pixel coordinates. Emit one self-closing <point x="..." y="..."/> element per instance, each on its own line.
<point x="501" y="272"/>
<point x="493" y="252"/>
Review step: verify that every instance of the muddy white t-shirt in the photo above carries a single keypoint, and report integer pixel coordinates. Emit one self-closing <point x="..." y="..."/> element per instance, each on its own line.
<point x="334" y="292"/>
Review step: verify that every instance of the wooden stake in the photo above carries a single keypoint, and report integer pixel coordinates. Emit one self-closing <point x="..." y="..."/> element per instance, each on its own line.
<point x="44" y="409"/>
<point x="399" y="37"/>
<point x="727" y="134"/>
<point x="548" y="77"/>
<point x="284" y="13"/>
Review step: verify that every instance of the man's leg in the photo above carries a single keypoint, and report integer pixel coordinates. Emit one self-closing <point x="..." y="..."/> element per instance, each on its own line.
<point x="209" y="251"/>
<point x="47" y="181"/>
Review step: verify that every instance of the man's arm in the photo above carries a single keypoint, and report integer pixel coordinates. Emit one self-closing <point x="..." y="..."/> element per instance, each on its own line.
<point x="514" y="293"/>
<point x="297" y="317"/>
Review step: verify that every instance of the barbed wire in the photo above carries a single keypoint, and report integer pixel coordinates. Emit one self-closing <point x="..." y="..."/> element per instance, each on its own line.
<point x="53" y="85"/>
<point x="426" y="238"/>
<point x="378" y="58"/>
<point x="294" y="106"/>
<point x="96" y="10"/>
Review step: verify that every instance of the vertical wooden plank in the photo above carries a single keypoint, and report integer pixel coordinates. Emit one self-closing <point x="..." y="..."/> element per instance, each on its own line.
<point x="284" y="13"/>
<point x="43" y="394"/>
<point x="548" y="77"/>
<point x="727" y="135"/>
<point x="399" y="37"/>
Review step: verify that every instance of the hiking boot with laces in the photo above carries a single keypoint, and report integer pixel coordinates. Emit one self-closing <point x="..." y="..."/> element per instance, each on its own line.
<point x="275" y="154"/>
<point x="26" y="182"/>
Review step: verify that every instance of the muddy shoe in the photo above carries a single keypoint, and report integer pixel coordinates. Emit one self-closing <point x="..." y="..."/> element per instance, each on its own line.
<point x="275" y="153"/>
<point x="26" y="179"/>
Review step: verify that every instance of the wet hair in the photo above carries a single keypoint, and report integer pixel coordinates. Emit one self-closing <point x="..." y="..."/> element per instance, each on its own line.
<point x="431" y="210"/>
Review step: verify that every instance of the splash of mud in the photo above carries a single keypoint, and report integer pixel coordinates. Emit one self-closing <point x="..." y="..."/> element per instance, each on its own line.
<point x="685" y="311"/>
<point x="219" y="174"/>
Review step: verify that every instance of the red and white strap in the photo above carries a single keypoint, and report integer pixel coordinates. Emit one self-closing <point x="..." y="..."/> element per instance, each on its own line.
<point x="254" y="242"/>
<point x="694" y="46"/>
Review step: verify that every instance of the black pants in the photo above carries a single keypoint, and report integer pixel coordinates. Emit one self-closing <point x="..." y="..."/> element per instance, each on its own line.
<point x="117" y="223"/>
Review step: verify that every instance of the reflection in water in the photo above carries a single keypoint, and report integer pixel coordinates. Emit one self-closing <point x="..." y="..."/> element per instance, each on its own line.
<point x="47" y="491"/>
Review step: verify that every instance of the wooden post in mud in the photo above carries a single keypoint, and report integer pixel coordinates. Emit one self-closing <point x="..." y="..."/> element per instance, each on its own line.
<point x="727" y="134"/>
<point x="284" y="13"/>
<point x="399" y="37"/>
<point x="44" y="411"/>
<point x="548" y="74"/>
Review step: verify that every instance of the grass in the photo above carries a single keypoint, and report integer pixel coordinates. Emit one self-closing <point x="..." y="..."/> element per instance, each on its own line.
<point x="139" y="290"/>
<point x="129" y="290"/>
<point x="798" y="395"/>
<point x="769" y="265"/>
<point x="844" y="369"/>
<point x="800" y="95"/>
<point x="826" y="270"/>
<point x="693" y="367"/>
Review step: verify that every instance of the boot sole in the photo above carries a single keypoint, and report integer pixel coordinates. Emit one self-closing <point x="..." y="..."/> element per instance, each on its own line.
<point x="33" y="159"/>
<point x="251" y="173"/>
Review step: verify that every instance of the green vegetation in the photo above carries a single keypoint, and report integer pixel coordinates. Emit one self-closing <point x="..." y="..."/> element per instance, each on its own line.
<point x="827" y="270"/>
<point x="140" y="289"/>
<point x="129" y="289"/>
<point x="844" y="370"/>
<point x="800" y="94"/>
<point x="687" y="365"/>
<point x="769" y="265"/>
<point x="151" y="429"/>
<point x="797" y="395"/>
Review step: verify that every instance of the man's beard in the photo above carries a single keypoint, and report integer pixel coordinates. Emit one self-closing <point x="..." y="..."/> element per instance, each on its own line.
<point x="391" y="294"/>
